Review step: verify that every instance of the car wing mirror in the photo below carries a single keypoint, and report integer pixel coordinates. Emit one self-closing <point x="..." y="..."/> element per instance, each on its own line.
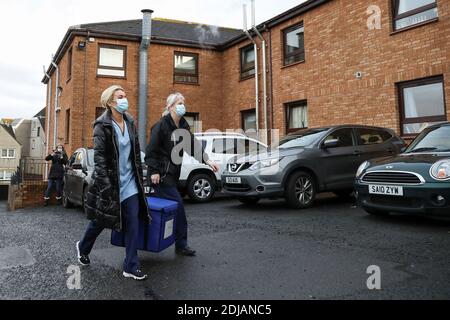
<point x="333" y="143"/>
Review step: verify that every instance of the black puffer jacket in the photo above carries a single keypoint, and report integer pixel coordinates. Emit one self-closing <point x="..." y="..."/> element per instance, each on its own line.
<point x="103" y="201"/>
<point x="163" y="141"/>
<point x="59" y="160"/>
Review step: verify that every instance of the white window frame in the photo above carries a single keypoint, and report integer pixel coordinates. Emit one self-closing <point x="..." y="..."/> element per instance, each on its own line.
<point x="7" y="153"/>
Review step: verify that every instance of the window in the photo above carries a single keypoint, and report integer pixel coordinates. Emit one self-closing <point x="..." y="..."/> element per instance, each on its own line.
<point x="5" y="175"/>
<point x="8" y="153"/>
<point x="296" y="116"/>
<point x="247" y="62"/>
<point x="69" y="64"/>
<point x="186" y="68"/>
<point x="38" y="134"/>
<point x="373" y="136"/>
<point x="224" y="146"/>
<point x="294" y="46"/>
<point x="193" y="121"/>
<point x="421" y="104"/>
<point x="343" y="136"/>
<point x="245" y="146"/>
<point x="67" y="126"/>
<point x="248" y="120"/>
<point x="112" y="61"/>
<point x="412" y="12"/>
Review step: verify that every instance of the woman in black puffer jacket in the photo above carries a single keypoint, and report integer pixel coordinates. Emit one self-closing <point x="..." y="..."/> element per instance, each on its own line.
<point x="116" y="200"/>
<point x="56" y="174"/>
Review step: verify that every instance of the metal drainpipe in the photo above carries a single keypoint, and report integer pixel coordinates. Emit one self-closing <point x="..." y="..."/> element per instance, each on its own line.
<point x="255" y="48"/>
<point x="55" y="129"/>
<point x="143" y="76"/>
<point x="49" y="101"/>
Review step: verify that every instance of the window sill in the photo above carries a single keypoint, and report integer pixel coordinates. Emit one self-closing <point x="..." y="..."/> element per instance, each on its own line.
<point x="246" y="78"/>
<point x="112" y="77"/>
<point x="293" y="64"/>
<point x="187" y="83"/>
<point x="414" y="26"/>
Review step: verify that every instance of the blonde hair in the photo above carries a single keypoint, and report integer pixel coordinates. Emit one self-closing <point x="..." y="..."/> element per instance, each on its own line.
<point x="171" y="100"/>
<point x="108" y="96"/>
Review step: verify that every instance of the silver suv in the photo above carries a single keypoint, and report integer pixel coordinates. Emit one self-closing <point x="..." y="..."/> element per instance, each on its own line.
<point x="308" y="162"/>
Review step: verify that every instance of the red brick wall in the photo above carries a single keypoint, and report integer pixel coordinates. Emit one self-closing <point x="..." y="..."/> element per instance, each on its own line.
<point x="337" y="43"/>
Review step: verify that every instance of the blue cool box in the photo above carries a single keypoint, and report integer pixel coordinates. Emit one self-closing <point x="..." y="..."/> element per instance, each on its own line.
<point x="160" y="234"/>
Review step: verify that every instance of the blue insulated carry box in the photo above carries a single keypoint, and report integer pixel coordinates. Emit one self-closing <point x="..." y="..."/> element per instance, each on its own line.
<point x="160" y="234"/>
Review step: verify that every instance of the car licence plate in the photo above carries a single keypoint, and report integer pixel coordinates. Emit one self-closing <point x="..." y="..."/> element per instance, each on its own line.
<point x="386" y="190"/>
<point x="233" y="180"/>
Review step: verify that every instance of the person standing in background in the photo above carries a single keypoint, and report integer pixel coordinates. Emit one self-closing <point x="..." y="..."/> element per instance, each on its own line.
<point x="55" y="177"/>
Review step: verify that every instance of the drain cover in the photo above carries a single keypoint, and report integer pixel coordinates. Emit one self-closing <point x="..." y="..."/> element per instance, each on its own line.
<point x="15" y="257"/>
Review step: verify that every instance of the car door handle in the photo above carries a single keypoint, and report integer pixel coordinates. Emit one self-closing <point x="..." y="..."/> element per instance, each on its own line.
<point x="357" y="153"/>
<point x="389" y="150"/>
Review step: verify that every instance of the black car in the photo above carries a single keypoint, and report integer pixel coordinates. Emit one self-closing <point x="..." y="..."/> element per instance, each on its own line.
<point x="78" y="177"/>
<point x="415" y="182"/>
<point x="308" y="162"/>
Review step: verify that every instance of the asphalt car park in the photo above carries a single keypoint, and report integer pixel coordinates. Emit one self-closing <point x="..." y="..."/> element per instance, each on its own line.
<point x="263" y="251"/>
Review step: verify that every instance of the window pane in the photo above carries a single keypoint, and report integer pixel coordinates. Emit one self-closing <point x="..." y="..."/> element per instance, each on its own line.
<point x="298" y="117"/>
<point x="11" y="153"/>
<point x="424" y="101"/>
<point x="185" y="64"/>
<point x="408" y="5"/>
<point x="248" y="62"/>
<point x="224" y="146"/>
<point x="8" y="175"/>
<point x="4" y="153"/>
<point x="295" y="40"/>
<point x="417" y="18"/>
<point x="186" y="79"/>
<point x="414" y="128"/>
<point x="192" y="120"/>
<point x="371" y="136"/>
<point x="111" y="57"/>
<point x="249" y="121"/>
<point x="344" y="137"/>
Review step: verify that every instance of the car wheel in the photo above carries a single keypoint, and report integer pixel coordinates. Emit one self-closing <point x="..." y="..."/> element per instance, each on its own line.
<point x="66" y="202"/>
<point x="201" y="188"/>
<point x="300" y="190"/>
<point x="345" y="194"/>
<point x="376" y="212"/>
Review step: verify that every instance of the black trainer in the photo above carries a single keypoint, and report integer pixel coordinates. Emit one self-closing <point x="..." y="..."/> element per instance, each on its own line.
<point x="82" y="259"/>
<point x="136" y="275"/>
<point x="188" y="252"/>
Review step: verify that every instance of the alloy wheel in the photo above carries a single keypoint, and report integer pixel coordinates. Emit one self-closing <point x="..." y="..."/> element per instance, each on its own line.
<point x="202" y="188"/>
<point x="304" y="190"/>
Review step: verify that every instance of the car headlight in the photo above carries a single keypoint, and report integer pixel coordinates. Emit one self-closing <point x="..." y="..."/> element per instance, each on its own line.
<point x="441" y="170"/>
<point x="264" y="164"/>
<point x="361" y="168"/>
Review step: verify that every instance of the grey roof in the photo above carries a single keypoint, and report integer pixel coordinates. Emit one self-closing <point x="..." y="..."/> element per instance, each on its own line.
<point x="170" y="30"/>
<point x="9" y="130"/>
<point x="41" y="116"/>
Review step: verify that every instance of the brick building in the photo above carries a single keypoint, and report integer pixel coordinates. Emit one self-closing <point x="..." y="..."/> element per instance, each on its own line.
<point x="326" y="65"/>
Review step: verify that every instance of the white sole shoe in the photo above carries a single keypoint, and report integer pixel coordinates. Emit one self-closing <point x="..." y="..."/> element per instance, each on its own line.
<point x="132" y="276"/>
<point x="79" y="254"/>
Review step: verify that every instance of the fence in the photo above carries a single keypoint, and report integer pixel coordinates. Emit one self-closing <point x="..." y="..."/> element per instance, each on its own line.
<point x="30" y="170"/>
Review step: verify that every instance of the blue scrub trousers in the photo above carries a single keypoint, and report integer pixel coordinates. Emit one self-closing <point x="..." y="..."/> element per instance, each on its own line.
<point x="130" y="214"/>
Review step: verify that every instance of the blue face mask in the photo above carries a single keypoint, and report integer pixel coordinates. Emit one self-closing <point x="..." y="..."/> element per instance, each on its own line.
<point x="180" y="110"/>
<point x="122" y="105"/>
